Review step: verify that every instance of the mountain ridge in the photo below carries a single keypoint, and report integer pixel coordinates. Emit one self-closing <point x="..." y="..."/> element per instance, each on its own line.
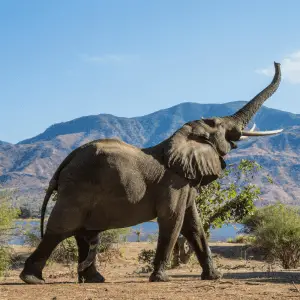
<point x="199" y="110"/>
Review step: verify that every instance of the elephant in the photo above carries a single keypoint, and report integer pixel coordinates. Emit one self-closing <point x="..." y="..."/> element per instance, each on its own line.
<point x="107" y="183"/>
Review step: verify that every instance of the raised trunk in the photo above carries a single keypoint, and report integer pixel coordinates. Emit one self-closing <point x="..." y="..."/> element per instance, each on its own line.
<point x="244" y="115"/>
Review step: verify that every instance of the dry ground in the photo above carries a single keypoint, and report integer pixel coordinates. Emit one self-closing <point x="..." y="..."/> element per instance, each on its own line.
<point x="243" y="279"/>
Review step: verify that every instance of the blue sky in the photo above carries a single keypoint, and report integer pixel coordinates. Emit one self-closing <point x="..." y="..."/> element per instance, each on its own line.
<point x="60" y="60"/>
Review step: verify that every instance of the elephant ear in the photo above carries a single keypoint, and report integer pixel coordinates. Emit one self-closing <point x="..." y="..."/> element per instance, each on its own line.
<point x="193" y="156"/>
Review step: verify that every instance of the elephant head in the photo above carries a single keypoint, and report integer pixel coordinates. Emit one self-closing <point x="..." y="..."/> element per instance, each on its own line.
<point x="197" y="149"/>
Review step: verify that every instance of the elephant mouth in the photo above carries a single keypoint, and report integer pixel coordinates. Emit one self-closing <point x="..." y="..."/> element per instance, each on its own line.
<point x="233" y="145"/>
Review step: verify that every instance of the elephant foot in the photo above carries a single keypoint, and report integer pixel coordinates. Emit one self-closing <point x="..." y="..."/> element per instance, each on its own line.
<point x="30" y="278"/>
<point x="96" y="278"/>
<point x="212" y="275"/>
<point x="90" y="275"/>
<point x="159" y="277"/>
<point x="84" y="265"/>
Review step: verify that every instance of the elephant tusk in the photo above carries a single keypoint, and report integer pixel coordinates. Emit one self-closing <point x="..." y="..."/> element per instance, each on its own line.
<point x="251" y="130"/>
<point x="242" y="138"/>
<point x="253" y="127"/>
<point x="260" y="133"/>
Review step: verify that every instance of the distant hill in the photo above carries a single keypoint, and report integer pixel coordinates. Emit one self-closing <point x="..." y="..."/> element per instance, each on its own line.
<point x="29" y="165"/>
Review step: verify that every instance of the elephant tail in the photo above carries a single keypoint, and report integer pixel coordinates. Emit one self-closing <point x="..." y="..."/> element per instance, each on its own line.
<point x="52" y="187"/>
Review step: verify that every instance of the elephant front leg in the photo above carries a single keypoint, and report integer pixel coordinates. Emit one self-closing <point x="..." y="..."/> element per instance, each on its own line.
<point x="193" y="231"/>
<point x="169" y="229"/>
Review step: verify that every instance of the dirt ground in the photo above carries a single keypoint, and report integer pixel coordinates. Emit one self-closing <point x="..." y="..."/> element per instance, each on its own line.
<point x="243" y="278"/>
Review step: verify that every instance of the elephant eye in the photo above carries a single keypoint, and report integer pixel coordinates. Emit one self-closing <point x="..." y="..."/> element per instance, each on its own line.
<point x="210" y="122"/>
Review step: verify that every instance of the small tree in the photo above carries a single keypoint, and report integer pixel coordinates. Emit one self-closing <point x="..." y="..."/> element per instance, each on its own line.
<point x="230" y="198"/>
<point x="138" y="232"/>
<point x="227" y="200"/>
<point x="276" y="231"/>
<point x="7" y="215"/>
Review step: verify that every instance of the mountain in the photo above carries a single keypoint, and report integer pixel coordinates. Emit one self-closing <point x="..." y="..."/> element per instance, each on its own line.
<point x="150" y="129"/>
<point x="29" y="165"/>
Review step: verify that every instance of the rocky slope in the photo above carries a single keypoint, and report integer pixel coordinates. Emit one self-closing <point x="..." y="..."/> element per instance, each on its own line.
<point x="29" y="164"/>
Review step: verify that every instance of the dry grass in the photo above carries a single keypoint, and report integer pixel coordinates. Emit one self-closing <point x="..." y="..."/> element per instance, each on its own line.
<point x="243" y="279"/>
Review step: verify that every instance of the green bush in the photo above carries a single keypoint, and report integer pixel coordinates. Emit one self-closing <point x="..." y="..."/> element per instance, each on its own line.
<point x="146" y="258"/>
<point x="230" y="198"/>
<point x="276" y="229"/>
<point x="66" y="251"/>
<point x="25" y="212"/>
<point x="5" y="259"/>
<point x="111" y="237"/>
<point x="241" y="239"/>
<point x="7" y="215"/>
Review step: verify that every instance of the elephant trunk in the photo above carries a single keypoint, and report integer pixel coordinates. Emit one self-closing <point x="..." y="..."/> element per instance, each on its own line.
<point x="244" y="115"/>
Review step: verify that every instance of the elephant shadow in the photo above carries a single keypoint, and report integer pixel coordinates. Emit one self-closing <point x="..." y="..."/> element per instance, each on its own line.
<point x="254" y="278"/>
<point x="267" y="277"/>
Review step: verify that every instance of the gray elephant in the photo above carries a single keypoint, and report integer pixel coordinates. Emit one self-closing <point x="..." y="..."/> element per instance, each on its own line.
<point x="107" y="184"/>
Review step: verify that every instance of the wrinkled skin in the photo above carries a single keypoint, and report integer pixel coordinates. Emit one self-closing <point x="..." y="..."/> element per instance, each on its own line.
<point x="109" y="184"/>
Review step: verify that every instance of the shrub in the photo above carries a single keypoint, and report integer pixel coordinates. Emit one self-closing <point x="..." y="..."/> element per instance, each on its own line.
<point x="66" y="251"/>
<point x="241" y="239"/>
<point x="111" y="237"/>
<point x="7" y="215"/>
<point x="276" y="229"/>
<point x="5" y="259"/>
<point x="25" y="212"/>
<point x="230" y="198"/>
<point x="146" y="257"/>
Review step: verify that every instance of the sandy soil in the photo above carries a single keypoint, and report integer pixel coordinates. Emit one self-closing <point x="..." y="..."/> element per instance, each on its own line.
<point x="243" y="279"/>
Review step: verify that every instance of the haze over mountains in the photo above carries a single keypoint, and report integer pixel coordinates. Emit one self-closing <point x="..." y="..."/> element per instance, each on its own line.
<point x="29" y="164"/>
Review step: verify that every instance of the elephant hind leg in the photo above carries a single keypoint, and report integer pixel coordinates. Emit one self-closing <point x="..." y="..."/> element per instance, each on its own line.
<point x="35" y="263"/>
<point x="92" y="240"/>
<point x="87" y="271"/>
